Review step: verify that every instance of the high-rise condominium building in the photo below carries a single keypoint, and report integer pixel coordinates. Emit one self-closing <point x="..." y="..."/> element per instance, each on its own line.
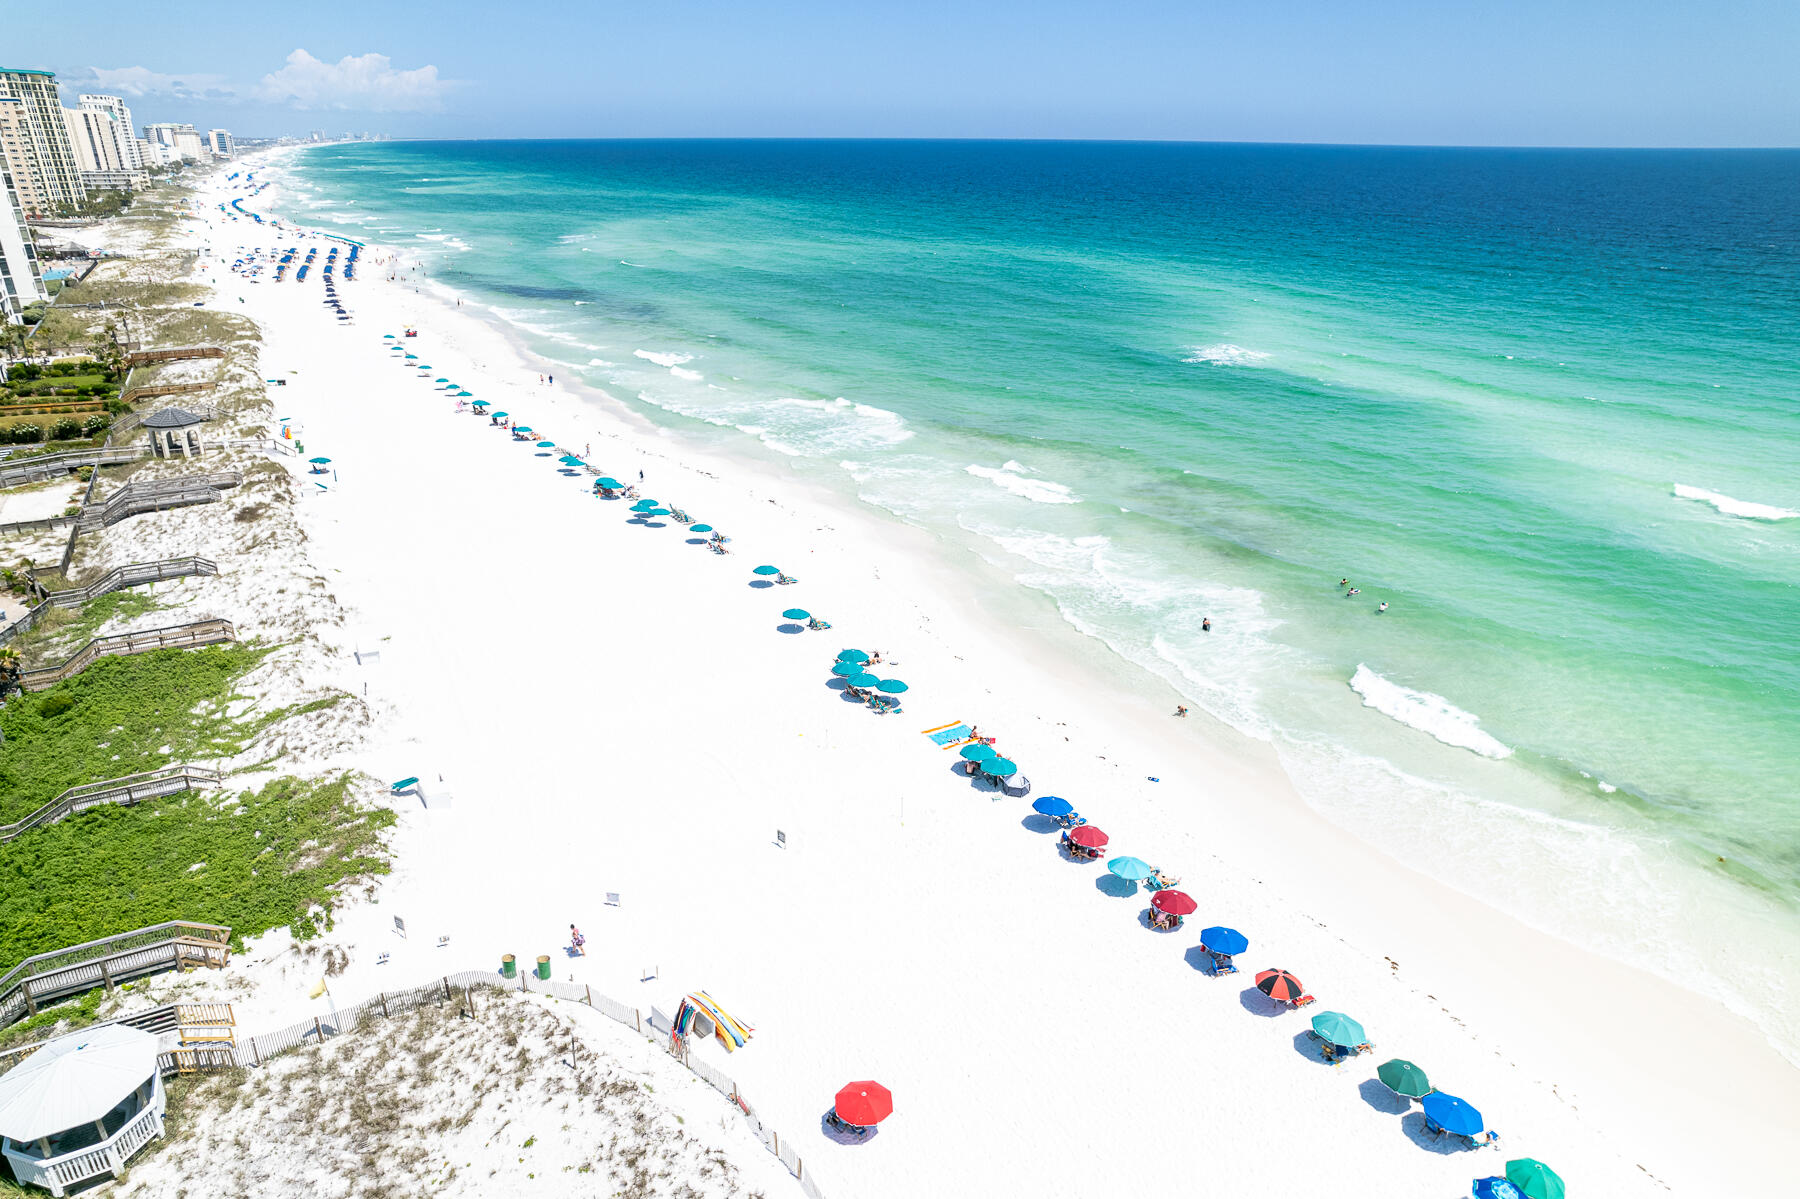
<point x="128" y="151"/>
<point x="220" y="143"/>
<point x="55" y="177"/>
<point x="182" y="139"/>
<point x="94" y="134"/>
<point x="20" y="281"/>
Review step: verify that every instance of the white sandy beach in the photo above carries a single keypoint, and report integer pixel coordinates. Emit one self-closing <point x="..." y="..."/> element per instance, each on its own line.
<point x="616" y="709"/>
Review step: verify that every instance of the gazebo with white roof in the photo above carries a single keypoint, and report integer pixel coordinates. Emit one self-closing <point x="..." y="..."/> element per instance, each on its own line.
<point x="81" y="1106"/>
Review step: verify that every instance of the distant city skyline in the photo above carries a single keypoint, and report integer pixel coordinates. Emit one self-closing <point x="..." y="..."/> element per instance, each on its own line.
<point x="1580" y="73"/>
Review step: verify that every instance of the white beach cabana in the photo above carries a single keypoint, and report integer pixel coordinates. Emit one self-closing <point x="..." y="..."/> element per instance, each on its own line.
<point x="81" y="1106"/>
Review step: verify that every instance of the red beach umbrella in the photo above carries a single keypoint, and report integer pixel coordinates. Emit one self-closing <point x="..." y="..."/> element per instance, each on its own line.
<point x="1279" y="984"/>
<point x="1174" y="903"/>
<point x="1089" y="837"/>
<point x="864" y="1103"/>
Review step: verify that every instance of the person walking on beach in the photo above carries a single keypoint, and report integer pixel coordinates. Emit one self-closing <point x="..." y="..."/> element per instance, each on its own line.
<point x="552" y="380"/>
<point x="577" y="942"/>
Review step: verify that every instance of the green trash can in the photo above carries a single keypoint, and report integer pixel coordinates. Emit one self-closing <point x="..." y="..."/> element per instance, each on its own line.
<point x="544" y="966"/>
<point x="508" y="967"/>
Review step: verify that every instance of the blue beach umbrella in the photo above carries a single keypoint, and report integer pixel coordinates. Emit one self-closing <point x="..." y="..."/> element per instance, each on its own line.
<point x="766" y="570"/>
<point x="1053" y="805"/>
<point x="1447" y="1111"/>
<point x="1334" y="1027"/>
<point x="980" y="751"/>
<point x="844" y="670"/>
<point x="1004" y="767"/>
<point x="852" y="655"/>
<point x="892" y="686"/>
<point x="1496" y="1188"/>
<point x="700" y="528"/>
<point x="1131" y="869"/>
<point x="862" y="680"/>
<point x="608" y="482"/>
<point x="796" y="614"/>
<point x="1230" y="942"/>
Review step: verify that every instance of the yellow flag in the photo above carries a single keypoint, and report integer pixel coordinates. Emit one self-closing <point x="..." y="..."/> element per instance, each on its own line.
<point x="317" y="990"/>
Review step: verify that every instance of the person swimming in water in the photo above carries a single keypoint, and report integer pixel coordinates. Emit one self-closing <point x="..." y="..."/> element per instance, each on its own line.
<point x="1353" y="591"/>
<point x="1381" y="609"/>
<point x="1343" y="582"/>
<point x="1206" y="624"/>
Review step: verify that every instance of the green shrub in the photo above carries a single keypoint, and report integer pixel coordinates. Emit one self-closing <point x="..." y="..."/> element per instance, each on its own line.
<point x="55" y="703"/>
<point x="21" y="434"/>
<point x="64" y="429"/>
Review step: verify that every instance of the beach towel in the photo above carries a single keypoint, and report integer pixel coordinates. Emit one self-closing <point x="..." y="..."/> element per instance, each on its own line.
<point x="947" y="735"/>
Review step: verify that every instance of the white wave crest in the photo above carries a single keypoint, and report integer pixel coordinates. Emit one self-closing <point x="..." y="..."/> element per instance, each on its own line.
<point x="1731" y="507"/>
<point x="663" y="358"/>
<point x="1432" y="714"/>
<point x="1011" y="478"/>
<point x="681" y="372"/>
<point x="1224" y="354"/>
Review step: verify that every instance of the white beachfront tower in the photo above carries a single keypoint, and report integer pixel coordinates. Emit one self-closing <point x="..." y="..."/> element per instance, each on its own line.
<point x="81" y="1106"/>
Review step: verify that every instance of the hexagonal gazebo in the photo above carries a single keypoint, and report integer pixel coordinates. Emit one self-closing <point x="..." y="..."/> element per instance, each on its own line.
<point x="81" y="1106"/>
<point x="174" y="430"/>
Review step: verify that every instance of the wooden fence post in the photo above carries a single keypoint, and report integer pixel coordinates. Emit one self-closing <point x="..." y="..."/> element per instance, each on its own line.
<point x="30" y="1003"/>
<point x="777" y="1137"/>
<point x="469" y="994"/>
<point x="638" y="1018"/>
<point x="319" y="1029"/>
<point x="590" y="994"/>
<point x="106" y="975"/>
<point x="446" y="986"/>
<point x="384" y="1010"/>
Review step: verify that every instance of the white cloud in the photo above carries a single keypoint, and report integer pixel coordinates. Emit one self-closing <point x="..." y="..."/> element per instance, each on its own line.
<point x="365" y="82"/>
<point x="141" y="81"/>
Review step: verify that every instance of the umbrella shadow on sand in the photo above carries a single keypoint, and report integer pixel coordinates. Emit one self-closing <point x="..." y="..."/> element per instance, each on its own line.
<point x="696" y="541"/>
<point x="841" y="1136"/>
<point x="1037" y="822"/>
<point x="790" y="628"/>
<point x="1376" y="1094"/>
<point x="1119" y="888"/>
<point x="1414" y="1127"/>
<point x="1309" y="1046"/>
<point x="1199" y="959"/>
<point x="1251" y="999"/>
<point x="760" y="584"/>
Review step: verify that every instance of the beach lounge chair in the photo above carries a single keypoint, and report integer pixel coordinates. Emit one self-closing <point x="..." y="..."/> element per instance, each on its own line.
<point x="816" y="623"/>
<point x="784" y="580"/>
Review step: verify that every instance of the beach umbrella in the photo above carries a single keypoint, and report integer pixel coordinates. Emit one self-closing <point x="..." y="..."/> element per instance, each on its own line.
<point x="864" y="1103"/>
<point x="466" y="394"/>
<point x="1279" y="984"/>
<point x="852" y="655"/>
<point x="567" y="459"/>
<point x="1000" y="767"/>
<point x="1230" y="942"/>
<point x="1534" y="1179"/>
<point x="1449" y="1113"/>
<point x="437" y="380"/>
<point x="499" y="415"/>
<point x="643" y="506"/>
<point x="411" y="356"/>
<point x="844" y="670"/>
<point x="657" y="512"/>
<point x="1130" y="868"/>
<point x="1496" y="1188"/>
<point x="700" y="528"/>
<point x="387" y="337"/>
<point x="544" y="445"/>
<point x="320" y="461"/>
<point x="862" y="680"/>
<point x="1052" y="805"/>
<point x="766" y="570"/>
<point x="1174" y="903"/>
<point x="1403" y="1078"/>
<point x="1089" y="837"/>
<point x="796" y="614"/>
<point x="522" y="428"/>
<point x="1335" y="1027"/>
<point x="892" y="686"/>
<point x="609" y="483"/>
<point x="480" y="403"/>
<point x="980" y="751"/>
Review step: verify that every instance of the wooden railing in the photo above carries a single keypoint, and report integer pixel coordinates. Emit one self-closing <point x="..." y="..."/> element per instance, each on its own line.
<point x="155" y="495"/>
<point x="131" y="789"/>
<point x="37" y="526"/>
<point x="183" y="636"/>
<point x="48" y="466"/>
<point x="176" y="354"/>
<point x="145" y="391"/>
<point x="109" y="960"/>
<point x="132" y="420"/>
<point x="135" y="575"/>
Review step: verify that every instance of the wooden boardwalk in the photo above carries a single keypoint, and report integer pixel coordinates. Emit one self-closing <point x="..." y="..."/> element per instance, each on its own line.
<point x="181" y="636"/>
<point x="131" y="789"/>
<point x="175" y="944"/>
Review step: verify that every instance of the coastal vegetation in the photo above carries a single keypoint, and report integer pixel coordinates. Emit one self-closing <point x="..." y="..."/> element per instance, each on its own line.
<point x="255" y="860"/>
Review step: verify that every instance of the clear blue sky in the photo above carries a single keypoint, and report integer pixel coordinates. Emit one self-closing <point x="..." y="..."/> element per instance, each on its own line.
<point x="1513" y="72"/>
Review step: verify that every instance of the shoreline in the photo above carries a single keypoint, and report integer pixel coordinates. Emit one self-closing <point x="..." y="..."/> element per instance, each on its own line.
<point x="1320" y="867"/>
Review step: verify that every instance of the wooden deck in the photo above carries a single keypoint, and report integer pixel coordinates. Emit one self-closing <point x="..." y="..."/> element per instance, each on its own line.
<point x="175" y="944"/>
<point x="183" y="636"/>
<point x="131" y="789"/>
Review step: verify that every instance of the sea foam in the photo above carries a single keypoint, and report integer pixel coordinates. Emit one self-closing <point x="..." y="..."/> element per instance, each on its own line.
<point x="1011" y="477"/>
<point x="662" y="358"/>
<point x="1731" y="507"/>
<point x="1224" y="354"/>
<point x="1432" y="714"/>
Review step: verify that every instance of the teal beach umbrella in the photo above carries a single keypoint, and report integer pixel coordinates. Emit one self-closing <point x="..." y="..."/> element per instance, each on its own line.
<point x="852" y="655"/>
<point x="981" y="751"/>
<point x="545" y="445"/>
<point x="892" y="686"/>
<point x="1129" y="868"/>
<point x="844" y="670"/>
<point x="700" y="528"/>
<point x="1338" y="1029"/>
<point x="767" y="570"/>
<point x="1004" y="767"/>
<point x="796" y="614"/>
<point x="320" y="461"/>
<point x="609" y="483"/>
<point x="862" y="680"/>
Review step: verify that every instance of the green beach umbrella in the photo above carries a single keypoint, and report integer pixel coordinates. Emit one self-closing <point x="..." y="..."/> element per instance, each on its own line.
<point x="852" y="655"/>
<point x="766" y="570"/>
<point x="861" y="680"/>
<point x="796" y="614"/>
<point x="892" y="686"/>
<point x="1403" y="1078"/>
<point x="609" y="483"/>
<point x="844" y="670"/>
<point x="1004" y="767"/>
<point x="699" y="528"/>
<point x="1537" y="1180"/>
<point x="981" y="751"/>
<point x="1338" y="1029"/>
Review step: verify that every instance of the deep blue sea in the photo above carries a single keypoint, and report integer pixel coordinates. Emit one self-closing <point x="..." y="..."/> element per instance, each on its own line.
<point x="1543" y="404"/>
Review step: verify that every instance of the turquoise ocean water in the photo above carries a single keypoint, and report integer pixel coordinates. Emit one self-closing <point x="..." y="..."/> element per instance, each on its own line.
<point x="1546" y="404"/>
